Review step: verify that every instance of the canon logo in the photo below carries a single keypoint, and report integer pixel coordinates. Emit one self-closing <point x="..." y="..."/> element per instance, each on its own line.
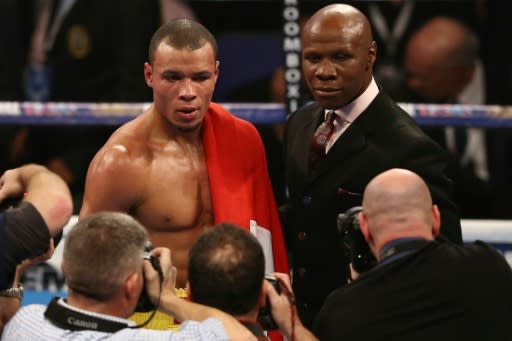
<point x="84" y="324"/>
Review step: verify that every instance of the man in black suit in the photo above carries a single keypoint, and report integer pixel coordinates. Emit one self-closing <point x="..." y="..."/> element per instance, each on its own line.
<point x="371" y="134"/>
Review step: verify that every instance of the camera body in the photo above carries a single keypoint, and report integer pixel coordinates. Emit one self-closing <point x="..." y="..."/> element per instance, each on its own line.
<point x="359" y="252"/>
<point x="144" y="304"/>
<point x="265" y="318"/>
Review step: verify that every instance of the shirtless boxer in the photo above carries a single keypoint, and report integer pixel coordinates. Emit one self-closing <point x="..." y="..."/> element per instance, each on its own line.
<point x="185" y="163"/>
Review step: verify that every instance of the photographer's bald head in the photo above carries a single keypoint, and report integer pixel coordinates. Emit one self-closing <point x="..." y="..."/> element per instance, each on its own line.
<point x="397" y="204"/>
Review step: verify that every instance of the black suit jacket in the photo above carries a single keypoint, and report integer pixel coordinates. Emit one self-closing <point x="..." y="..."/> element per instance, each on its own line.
<point x="421" y="297"/>
<point x="382" y="137"/>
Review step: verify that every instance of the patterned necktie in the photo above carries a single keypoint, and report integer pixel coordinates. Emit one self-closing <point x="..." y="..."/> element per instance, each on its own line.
<point x="320" y="138"/>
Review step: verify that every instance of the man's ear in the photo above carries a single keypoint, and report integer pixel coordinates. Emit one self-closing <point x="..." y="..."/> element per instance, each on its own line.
<point x="216" y="75"/>
<point x="372" y="55"/>
<point x="363" y="225"/>
<point x="131" y="285"/>
<point x="436" y="221"/>
<point x="148" y="74"/>
<point x="262" y="298"/>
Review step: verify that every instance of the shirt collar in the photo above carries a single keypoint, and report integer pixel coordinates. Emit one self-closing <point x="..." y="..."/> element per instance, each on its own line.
<point x="63" y="303"/>
<point x="386" y="248"/>
<point x="352" y="110"/>
<point x="474" y="92"/>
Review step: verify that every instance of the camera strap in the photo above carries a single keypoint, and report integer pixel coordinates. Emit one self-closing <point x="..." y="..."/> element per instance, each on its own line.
<point x="401" y="249"/>
<point x="70" y="319"/>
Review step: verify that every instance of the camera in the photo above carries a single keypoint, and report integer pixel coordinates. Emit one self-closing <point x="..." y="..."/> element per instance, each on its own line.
<point x="144" y="304"/>
<point x="265" y="318"/>
<point x="359" y="252"/>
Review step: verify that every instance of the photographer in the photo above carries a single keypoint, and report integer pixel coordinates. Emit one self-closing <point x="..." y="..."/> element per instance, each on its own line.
<point x="36" y="204"/>
<point x="226" y="271"/>
<point x="421" y="288"/>
<point x="105" y="270"/>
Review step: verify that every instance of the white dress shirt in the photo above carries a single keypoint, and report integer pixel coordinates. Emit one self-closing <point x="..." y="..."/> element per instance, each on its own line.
<point x="348" y="114"/>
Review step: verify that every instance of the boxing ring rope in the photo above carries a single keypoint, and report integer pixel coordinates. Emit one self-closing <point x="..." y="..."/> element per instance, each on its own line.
<point x="66" y="113"/>
<point x="42" y="284"/>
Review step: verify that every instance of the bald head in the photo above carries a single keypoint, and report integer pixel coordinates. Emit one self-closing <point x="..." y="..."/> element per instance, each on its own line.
<point x="445" y="39"/>
<point x="338" y="53"/>
<point x="440" y="59"/>
<point x="397" y="203"/>
<point x="395" y="192"/>
<point x="347" y="20"/>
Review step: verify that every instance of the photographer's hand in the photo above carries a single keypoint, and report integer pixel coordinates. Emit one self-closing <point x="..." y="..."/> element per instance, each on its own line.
<point x="284" y="310"/>
<point x="182" y="309"/>
<point x="27" y="263"/>
<point x="155" y="286"/>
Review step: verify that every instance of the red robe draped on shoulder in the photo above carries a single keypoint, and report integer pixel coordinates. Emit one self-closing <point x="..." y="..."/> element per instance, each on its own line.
<point x="239" y="182"/>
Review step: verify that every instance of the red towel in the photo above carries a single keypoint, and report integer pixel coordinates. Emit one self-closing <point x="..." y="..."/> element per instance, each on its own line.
<point x="239" y="183"/>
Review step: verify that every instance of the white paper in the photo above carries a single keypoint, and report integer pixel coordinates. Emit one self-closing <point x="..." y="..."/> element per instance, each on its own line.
<point x="265" y="238"/>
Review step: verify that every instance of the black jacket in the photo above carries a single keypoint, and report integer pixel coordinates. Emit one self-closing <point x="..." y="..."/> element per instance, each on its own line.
<point x="382" y="137"/>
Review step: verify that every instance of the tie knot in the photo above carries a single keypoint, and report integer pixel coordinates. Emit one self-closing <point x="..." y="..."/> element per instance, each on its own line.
<point x="321" y="138"/>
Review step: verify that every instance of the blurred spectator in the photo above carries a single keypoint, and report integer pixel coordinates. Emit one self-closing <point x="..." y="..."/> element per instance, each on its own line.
<point x="443" y="65"/>
<point x="393" y="22"/>
<point x="15" y="28"/>
<point x="495" y="22"/>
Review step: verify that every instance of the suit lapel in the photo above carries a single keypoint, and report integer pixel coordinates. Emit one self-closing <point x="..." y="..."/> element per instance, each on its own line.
<point x="305" y="135"/>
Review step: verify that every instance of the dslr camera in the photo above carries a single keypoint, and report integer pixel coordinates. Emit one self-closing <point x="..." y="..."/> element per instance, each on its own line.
<point x="144" y="304"/>
<point x="265" y="318"/>
<point x="359" y="252"/>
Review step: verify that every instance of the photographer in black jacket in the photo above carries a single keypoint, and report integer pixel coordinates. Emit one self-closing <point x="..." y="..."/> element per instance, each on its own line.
<point x="421" y="288"/>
